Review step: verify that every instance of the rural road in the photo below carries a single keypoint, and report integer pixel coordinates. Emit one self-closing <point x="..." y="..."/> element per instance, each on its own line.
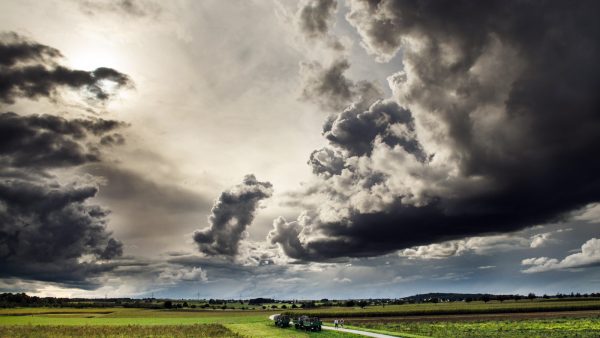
<point x="362" y="333"/>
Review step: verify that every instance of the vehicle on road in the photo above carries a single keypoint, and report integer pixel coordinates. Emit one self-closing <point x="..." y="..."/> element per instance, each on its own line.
<point x="308" y="323"/>
<point x="282" y="320"/>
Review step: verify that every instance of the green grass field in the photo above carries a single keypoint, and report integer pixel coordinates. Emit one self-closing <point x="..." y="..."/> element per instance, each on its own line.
<point x="530" y="328"/>
<point x="129" y="322"/>
<point x="135" y="322"/>
<point x="452" y="308"/>
<point x="196" y="330"/>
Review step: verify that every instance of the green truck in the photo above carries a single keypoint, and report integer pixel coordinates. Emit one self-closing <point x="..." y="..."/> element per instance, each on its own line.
<point x="282" y="320"/>
<point x="308" y="323"/>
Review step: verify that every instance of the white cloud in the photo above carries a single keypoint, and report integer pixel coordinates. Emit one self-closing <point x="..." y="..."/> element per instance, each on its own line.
<point x="478" y="245"/>
<point x="172" y="275"/>
<point x="590" y="213"/>
<point x="589" y="255"/>
<point x="402" y="279"/>
<point x="542" y="239"/>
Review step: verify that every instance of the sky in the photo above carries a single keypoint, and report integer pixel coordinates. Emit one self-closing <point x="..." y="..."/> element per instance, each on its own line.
<point x="299" y="149"/>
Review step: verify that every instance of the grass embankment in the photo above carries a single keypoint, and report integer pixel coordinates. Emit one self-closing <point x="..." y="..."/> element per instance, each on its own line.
<point x="427" y="309"/>
<point x="531" y="328"/>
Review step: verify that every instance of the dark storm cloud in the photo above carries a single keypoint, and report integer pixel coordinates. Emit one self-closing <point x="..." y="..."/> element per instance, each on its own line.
<point x="47" y="141"/>
<point x="316" y="17"/>
<point x="15" y="49"/>
<point x="49" y="231"/>
<point x="332" y="90"/>
<point x="45" y="227"/>
<point x="354" y="130"/>
<point x="113" y="139"/>
<point x="326" y="161"/>
<point x="231" y="214"/>
<point x="504" y="95"/>
<point x="29" y="69"/>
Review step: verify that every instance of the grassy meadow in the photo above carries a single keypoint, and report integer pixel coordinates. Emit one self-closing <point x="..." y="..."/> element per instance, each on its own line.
<point x="453" y="308"/>
<point x="131" y="322"/>
<point x="537" y="318"/>
<point x="530" y="328"/>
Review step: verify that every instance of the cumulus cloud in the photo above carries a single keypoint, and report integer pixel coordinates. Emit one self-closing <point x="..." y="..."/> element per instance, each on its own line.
<point x="589" y="256"/>
<point x="231" y="214"/>
<point x="491" y="139"/>
<point x="173" y="275"/>
<point x="49" y="229"/>
<point x="42" y="141"/>
<point x="315" y="18"/>
<point x="329" y="87"/>
<point x="590" y="213"/>
<point x="478" y="245"/>
<point x="344" y="280"/>
<point x="31" y="70"/>
<point x="354" y="130"/>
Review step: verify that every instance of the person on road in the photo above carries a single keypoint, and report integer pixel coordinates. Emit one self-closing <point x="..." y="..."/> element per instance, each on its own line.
<point x="342" y="322"/>
<point x="335" y="323"/>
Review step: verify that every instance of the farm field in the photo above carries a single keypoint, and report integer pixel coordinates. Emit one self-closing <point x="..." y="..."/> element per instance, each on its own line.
<point x="529" y="328"/>
<point x="451" y="308"/>
<point x="128" y="322"/>
<point x="195" y="330"/>
<point x="538" y="318"/>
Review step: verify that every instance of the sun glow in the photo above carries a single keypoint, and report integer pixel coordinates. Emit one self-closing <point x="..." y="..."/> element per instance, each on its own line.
<point x="92" y="58"/>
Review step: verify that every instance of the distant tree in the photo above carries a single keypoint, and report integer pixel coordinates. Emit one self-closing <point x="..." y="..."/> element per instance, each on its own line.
<point x="362" y="303"/>
<point x="273" y="306"/>
<point x="485" y="298"/>
<point x="193" y="306"/>
<point x="531" y="296"/>
<point x="168" y="304"/>
<point x="350" y="303"/>
<point x="185" y="304"/>
<point x="284" y="306"/>
<point x="324" y="300"/>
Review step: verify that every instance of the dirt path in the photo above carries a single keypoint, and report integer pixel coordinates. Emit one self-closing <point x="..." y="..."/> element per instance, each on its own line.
<point x="362" y="333"/>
